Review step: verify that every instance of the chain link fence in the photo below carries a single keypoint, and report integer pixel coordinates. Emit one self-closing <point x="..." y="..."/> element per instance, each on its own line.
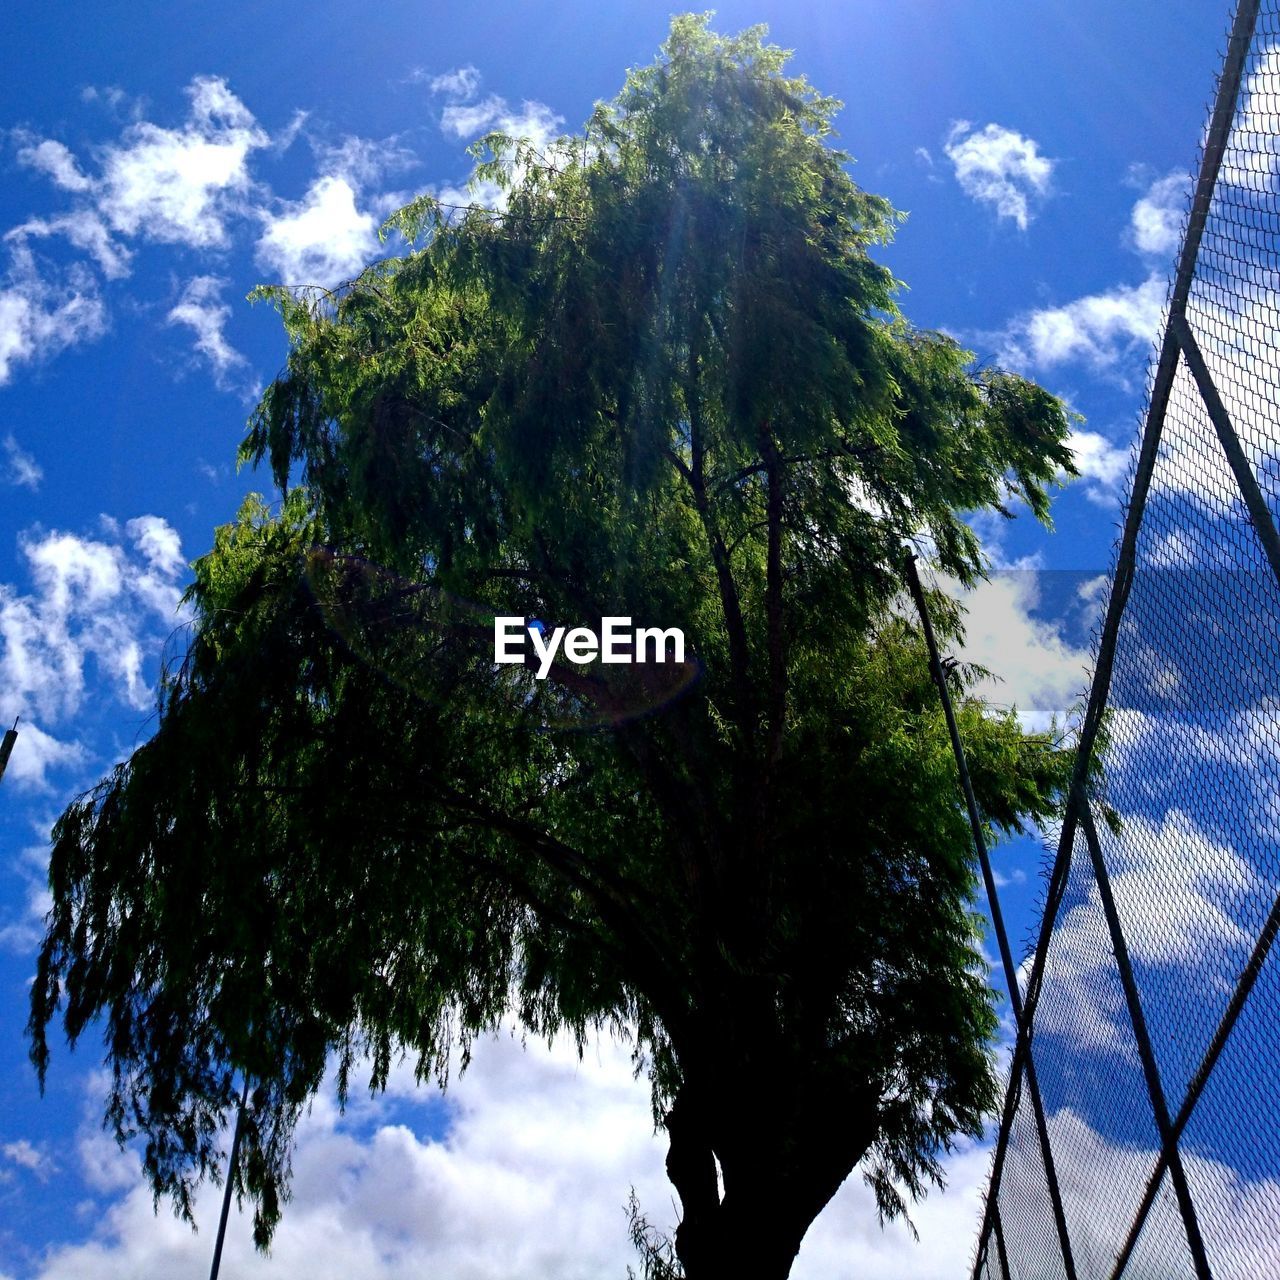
<point x="1140" y="1135"/>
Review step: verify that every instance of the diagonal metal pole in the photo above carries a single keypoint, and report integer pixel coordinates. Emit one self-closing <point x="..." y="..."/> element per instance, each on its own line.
<point x="226" y="1195"/>
<point x="993" y="901"/>
<point x="1146" y="1053"/>
<point x="6" y="747"/>
<point x="1223" y="113"/>
<point x="1259" y="513"/>
<point x="1001" y="1253"/>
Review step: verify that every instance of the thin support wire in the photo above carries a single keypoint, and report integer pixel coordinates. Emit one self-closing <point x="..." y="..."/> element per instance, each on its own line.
<point x="993" y="899"/>
<point x="226" y="1194"/>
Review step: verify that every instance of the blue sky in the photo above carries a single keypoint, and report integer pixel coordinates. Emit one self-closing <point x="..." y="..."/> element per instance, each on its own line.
<point x="159" y="161"/>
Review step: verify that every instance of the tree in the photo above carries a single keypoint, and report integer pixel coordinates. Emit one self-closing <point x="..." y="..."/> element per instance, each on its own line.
<point x="665" y="380"/>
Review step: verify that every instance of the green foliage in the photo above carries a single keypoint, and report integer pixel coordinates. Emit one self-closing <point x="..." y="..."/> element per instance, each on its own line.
<point x="667" y="380"/>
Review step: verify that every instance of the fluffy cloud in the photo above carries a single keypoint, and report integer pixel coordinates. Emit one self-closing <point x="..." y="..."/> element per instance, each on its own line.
<point x="529" y="1179"/>
<point x="39" y="316"/>
<point x="23" y="470"/>
<point x="1087" y="1161"/>
<point x="22" y="922"/>
<point x="467" y="116"/>
<point x="532" y="120"/>
<point x="192" y="186"/>
<point x="1032" y="666"/>
<point x="1252" y="158"/>
<point x="175" y="186"/>
<point x="85" y="230"/>
<point x="327" y="237"/>
<point x="1000" y="167"/>
<point x="179" y="186"/>
<point x="528" y="1182"/>
<point x="202" y="310"/>
<point x="461" y="82"/>
<point x="24" y="1155"/>
<point x="1102" y="465"/>
<point x="56" y="161"/>
<point x="109" y="601"/>
<point x="1102" y="330"/>
<point x="1098" y="330"/>
<point x="1156" y="221"/>
<point x="324" y="238"/>
<point x="37" y="754"/>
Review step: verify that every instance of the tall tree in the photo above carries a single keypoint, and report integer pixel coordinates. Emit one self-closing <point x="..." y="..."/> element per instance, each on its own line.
<point x="664" y="380"/>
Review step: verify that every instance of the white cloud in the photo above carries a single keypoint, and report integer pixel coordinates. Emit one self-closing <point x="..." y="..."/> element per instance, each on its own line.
<point x="23" y="470"/>
<point x="22" y="929"/>
<point x="1097" y="330"/>
<point x="85" y="230"/>
<point x="36" y="754"/>
<point x="1032" y="666"/>
<point x="363" y="161"/>
<point x="461" y="82"/>
<point x="55" y="160"/>
<point x="848" y="1243"/>
<point x="322" y="239"/>
<point x="1000" y="167"/>
<point x="38" y="317"/>
<point x="90" y="599"/>
<point x="465" y="118"/>
<point x="1197" y="877"/>
<point x="528" y="1183"/>
<point x="179" y="186"/>
<point x="26" y="1155"/>
<point x="1156" y="220"/>
<point x="533" y="120"/>
<point x="1102" y="465"/>
<point x="331" y="234"/>
<point x="202" y="310"/>
<point x="158" y="543"/>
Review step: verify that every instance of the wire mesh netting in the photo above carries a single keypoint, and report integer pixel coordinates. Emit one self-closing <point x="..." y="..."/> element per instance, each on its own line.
<point x="1139" y="1135"/>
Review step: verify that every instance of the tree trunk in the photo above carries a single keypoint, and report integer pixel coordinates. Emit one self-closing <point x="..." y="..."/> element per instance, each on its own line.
<point x="781" y="1164"/>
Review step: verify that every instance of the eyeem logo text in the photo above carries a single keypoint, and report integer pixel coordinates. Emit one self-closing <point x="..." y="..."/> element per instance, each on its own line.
<point x="616" y="642"/>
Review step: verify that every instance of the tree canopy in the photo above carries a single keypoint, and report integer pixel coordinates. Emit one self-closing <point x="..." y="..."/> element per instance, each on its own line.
<point x="664" y="378"/>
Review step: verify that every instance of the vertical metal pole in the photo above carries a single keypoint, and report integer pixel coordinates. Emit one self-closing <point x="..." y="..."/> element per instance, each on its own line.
<point x="997" y="917"/>
<point x="226" y="1195"/>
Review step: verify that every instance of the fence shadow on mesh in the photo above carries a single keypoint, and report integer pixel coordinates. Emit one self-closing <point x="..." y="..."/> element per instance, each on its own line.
<point x="1139" y="1136"/>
